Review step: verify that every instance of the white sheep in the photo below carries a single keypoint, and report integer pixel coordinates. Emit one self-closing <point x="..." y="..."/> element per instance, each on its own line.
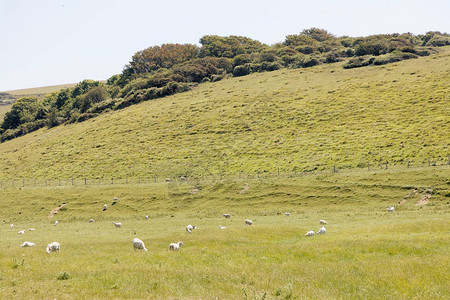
<point x="21" y="232"/>
<point x="105" y="207"/>
<point x="310" y="233"/>
<point x="175" y="246"/>
<point x="117" y="224"/>
<point x="390" y="209"/>
<point x="190" y="227"/>
<point x="91" y="220"/>
<point x="138" y="244"/>
<point x="146" y="217"/>
<point x="222" y="227"/>
<point x="11" y="226"/>
<point x="248" y="222"/>
<point x="27" y="244"/>
<point x="323" y="222"/>
<point x="287" y="214"/>
<point x="53" y="247"/>
<point x="31" y="229"/>
<point x="183" y="178"/>
<point x="322" y="230"/>
<point x="227" y="216"/>
<point x="56" y="223"/>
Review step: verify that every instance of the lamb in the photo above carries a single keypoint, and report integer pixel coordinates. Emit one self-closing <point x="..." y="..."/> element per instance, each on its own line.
<point x="287" y="214"/>
<point x="227" y="216"/>
<point x="27" y="244"/>
<point x="323" y="222"/>
<point x="248" y="222"/>
<point x="11" y="226"/>
<point x="91" y="221"/>
<point x="105" y="207"/>
<point x="21" y="232"/>
<point x="183" y="178"/>
<point x="53" y="247"/>
<point x="190" y="227"/>
<point x="175" y="246"/>
<point x="390" y="209"/>
<point x="56" y="223"/>
<point x="138" y="244"/>
<point x="221" y="227"/>
<point x="322" y="230"/>
<point x="146" y="217"/>
<point x="118" y="224"/>
<point x="310" y="233"/>
<point x="31" y="229"/>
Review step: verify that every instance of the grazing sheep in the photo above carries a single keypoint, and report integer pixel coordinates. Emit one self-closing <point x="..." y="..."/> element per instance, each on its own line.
<point x="91" y="221"/>
<point x="221" y="227"/>
<point x="322" y="230"/>
<point x="56" y="223"/>
<point x="118" y="224"/>
<point x="115" y="200"/>
<point x="390" y="209"/>
<point x="11" y="226"/>
<point x="310" y="233"/>
<point x="183" y="178"/>
<point x="31" y="229"/>
<point x="138" y="244"/>
<point x="227" y="216"/>
<point x="248" y="222"/>
<point x="190" y="227"/>
<point x="53" y="247"/>
<point x="146" y="217"/>
<point x="323" y="222"/>
<point x="27" y="244"/>
<point x="105" y="207"/>
<point x="175" y="246"/>
<point x="168" y="180"/>
<point x="21" y="232"/>
<point x="287" y="214"/>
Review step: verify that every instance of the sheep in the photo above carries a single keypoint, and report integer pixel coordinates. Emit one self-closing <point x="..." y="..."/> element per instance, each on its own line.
<point x="227" y="216"/>
<point x="53" y="247"/>
<point x="115" y="200"/>
<point x="11" y="226"/>
<point x="322" y="230"/>
<point x="390" y="209"/>
<point x="221" y="227"/>
<point x="138" y="244"/>
<point x="323" y="222"/>
<point x="31" y="229"/>
<point x="118" y="224"/>
<point x="175" y="246"/>
<point x="168" y="180"/>
<point x="56" y="223"/>
<point x="248" y="222"/>
<point x="190" y="227"/>
<point x="27" y="244"/>
<point x="287" y="214"/>
<point x="105" y="207"/>
<point x="91" y="220"/>
<point x="21" y="232"/>
<point x="146" y="217"/>
<point x="183" y="178"/>
<point x="310" y="233"/>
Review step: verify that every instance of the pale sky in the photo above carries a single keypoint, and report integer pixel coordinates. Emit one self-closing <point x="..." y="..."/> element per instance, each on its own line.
<point x="49" y="42"/>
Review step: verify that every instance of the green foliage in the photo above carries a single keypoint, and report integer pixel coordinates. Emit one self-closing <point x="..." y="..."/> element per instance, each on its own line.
<point x="23" y="110"/>
<point x="231" y="46"/>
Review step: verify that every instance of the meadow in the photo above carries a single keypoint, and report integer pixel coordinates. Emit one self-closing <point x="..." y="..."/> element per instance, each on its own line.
<point x="367" y="253"/>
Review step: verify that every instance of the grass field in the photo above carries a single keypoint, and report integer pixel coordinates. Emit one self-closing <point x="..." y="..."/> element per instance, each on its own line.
<point x="39" y="92"/>
<point x="366" y="253"/>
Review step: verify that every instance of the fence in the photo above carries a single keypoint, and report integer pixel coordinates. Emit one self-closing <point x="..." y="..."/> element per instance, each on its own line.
<point x="210" y="177"/>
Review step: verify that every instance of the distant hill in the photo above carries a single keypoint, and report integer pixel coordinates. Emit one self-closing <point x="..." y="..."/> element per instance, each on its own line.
<point x="38" y="92"/>
<point x="302" y="119"/>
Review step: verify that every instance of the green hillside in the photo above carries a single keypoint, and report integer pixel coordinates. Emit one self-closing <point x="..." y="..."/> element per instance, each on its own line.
<point x="307" y="119"/>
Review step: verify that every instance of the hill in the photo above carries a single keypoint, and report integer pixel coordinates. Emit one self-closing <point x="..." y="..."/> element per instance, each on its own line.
<point x="302" y="119"/>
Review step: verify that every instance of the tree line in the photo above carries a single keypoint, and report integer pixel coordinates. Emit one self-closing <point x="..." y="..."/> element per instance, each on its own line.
<point x="167" y="69"/>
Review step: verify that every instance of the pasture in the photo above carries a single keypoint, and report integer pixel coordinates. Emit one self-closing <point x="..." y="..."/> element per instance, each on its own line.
<point x="367" y="253"/>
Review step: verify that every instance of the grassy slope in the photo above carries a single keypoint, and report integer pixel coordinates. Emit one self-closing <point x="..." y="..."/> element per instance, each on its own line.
<point x="39" y="91"/>
<point x="308" y="118"/>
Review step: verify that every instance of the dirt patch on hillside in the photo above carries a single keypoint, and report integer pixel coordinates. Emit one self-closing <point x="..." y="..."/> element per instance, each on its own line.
<point x="56" y="210"/>
<point x="245" y="188"/>
<point x="425" y="199"/>
<point x="409" y="195"/>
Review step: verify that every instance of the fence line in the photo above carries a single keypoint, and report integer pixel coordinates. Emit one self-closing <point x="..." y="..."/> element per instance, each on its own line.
<point x="210" y="177"/>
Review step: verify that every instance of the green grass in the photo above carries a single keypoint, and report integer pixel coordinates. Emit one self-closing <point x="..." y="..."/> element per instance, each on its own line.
<point x="367" y="253"/>
<point x="310" y="119"/>
<point x="39" y="92"/>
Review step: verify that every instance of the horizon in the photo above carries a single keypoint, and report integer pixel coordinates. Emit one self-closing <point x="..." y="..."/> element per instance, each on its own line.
<point x="65" y="41"/>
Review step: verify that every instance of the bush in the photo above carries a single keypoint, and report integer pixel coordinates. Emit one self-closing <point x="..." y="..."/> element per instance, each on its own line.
<point x="438" y="41"/>
<point x="393" y="57"/>
<point x="305" y="49"/>
<point x="241" y="70"/>
<point x="63" y="276"/>
<point x="359" y="62"/>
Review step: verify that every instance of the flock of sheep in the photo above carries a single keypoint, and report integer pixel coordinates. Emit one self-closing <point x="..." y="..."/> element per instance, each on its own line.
<point x="139" y="244"/>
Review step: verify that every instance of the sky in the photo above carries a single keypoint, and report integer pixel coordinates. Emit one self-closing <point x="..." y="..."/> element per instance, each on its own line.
<point x="50" y="42"/>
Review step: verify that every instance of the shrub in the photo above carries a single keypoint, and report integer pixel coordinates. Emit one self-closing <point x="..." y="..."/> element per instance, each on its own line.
<point x="359" y="62"/>
<point x="241" y="70"/>
<point x="305" y="49"/>
<point x="63" y="276"/>
<point x="438" y="41"/>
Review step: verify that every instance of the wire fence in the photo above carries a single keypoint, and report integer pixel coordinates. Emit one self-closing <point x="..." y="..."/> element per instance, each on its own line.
<point x="195" y="178"/>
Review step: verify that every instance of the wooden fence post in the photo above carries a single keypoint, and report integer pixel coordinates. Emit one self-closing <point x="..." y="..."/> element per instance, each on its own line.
<point x="386" y="165"/>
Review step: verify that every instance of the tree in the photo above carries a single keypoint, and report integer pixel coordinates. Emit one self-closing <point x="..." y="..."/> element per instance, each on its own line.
<point x="22" y="111"/>
<point x="218" y="46"/>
